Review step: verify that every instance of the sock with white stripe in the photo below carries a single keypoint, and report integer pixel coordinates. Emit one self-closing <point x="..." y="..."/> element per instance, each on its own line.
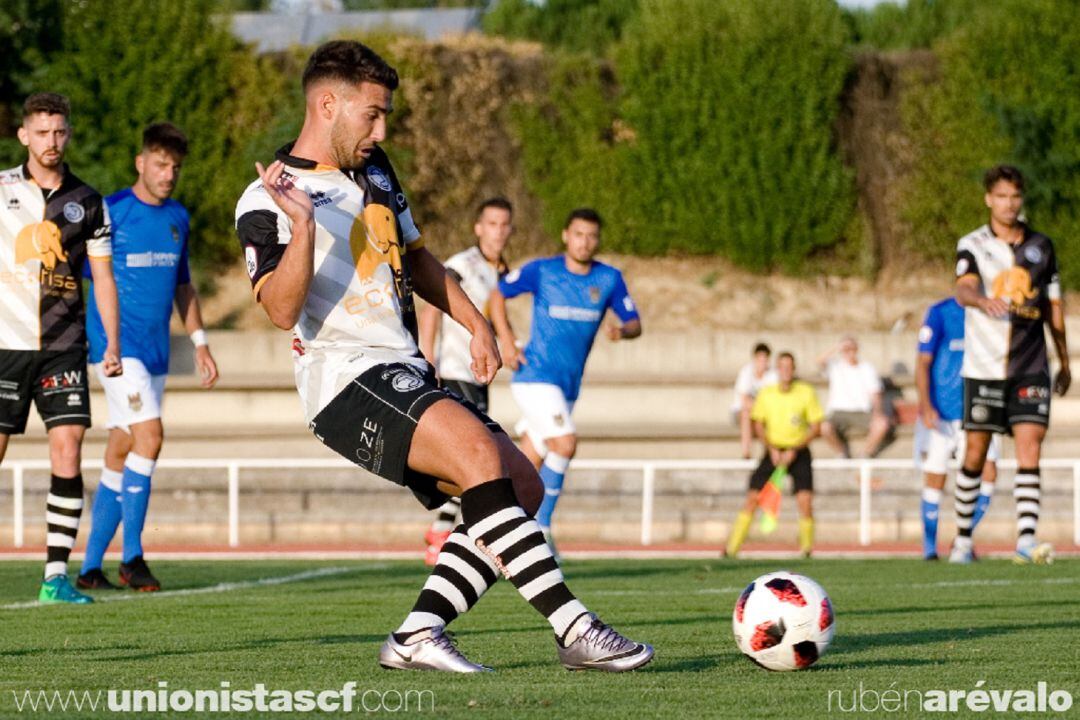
<point x="930" y="508"/>
<point x="986" y="491"/>
<point x="460" y="577"/>
<point x="967" y="492"/>
<point x="137" y="472"/>
<point x="448" y="516"/>
<point x="1026" y="491"/>
<point x="63" y="508"/>
<point x="105" y="517"/>
<point x="501" y="528"/>
<point x="552" y="472"/>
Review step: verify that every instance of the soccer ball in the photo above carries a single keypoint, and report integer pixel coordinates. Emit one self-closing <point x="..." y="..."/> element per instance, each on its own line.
<point x="783" y="621"/>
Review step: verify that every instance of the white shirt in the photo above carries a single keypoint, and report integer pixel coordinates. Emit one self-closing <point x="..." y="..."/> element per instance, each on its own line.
<point x="852" y="387"/>
<point x="748" y="385"/>
<point x="478" y="277"/>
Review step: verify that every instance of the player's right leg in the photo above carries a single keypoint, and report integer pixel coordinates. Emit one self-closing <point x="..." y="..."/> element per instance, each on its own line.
<point x="967" y="494"/>
<point x="740" y="529"/>
<point x="941" y="445"/>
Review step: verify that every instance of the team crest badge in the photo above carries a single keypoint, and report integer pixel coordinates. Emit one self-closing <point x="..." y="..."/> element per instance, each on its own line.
<point x="594" y="294"/>
<point x="74" y="212"/>
<point x="135" y="402"/>
<point x="559" y="420"/>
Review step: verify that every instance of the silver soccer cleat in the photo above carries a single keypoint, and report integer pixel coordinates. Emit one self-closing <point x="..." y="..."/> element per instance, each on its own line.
<point x="433" y="650"/>
<point x="601" y="648"/>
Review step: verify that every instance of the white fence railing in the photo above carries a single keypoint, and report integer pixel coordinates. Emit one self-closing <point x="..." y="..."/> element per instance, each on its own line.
<point x="647" y="468"/>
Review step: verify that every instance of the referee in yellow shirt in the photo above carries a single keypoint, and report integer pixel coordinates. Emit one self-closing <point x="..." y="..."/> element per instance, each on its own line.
<point x="786" y="416"/>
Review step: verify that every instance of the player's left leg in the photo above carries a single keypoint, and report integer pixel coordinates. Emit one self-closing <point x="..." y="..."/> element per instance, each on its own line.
<point x="1027" y="492"/>
<point x="941" y="444"/>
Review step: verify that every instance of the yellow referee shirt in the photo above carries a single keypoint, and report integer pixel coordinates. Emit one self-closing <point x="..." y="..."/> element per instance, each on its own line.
<point x="787" y="415"/>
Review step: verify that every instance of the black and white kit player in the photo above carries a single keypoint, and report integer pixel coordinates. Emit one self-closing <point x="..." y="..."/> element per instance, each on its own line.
<point x="333" y="255"/>
<point x="1007" y="281"/>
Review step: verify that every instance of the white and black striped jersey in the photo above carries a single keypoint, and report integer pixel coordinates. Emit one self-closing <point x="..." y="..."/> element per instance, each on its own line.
<point x="478" y="277"/>
<point x="1026" y="276"/>
<point x="359" y="309"/>
<point x="45" y="237"/>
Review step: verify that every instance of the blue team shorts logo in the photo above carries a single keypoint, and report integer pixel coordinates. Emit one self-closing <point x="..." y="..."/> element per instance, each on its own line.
<point x="378" y="177"/>
<point x="74" y="212"/>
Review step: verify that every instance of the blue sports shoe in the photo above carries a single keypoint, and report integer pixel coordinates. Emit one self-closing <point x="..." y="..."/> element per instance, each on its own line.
<point x="58" y="589"/>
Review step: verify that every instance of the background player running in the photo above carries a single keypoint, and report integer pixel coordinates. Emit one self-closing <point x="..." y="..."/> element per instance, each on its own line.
<point x="787" y="417"/>
<point x="1007" y="281"/>
<point x="333" y="253"/>
<point x="445" y="343"/>
<point x="939" y="436"/>
<point x="571" y="293"/>
<point x="51" y="222"/>
<point x="150" y="248"/>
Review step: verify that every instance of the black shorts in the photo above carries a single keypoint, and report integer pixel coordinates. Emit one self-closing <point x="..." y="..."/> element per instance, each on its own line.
<point x="800" y="471"/>
<point x="56" y="380"/>
<point x="474" y="393"/>
<point x="997" y="405"/>
<point x="371" y="422"/>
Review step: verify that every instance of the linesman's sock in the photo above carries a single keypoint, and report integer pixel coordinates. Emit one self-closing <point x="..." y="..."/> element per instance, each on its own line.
<point x="552" y="472"/>
<point x="986" y="492"/>
<point x="462" y="574"/>
<point x="105" y="517"/>
<point x="500" y="527"/>
<point x="967" y="492"/>
<point x="806" y="535"/>
<point x="137" y="472"/>
<point x="63" y="508"/>
<point x="740" y="529"/>
<point x="930" y="509"/>
<point x="1027" y="495"/>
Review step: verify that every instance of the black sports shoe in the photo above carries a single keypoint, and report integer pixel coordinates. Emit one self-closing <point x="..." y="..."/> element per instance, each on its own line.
<point x="137" y="576"/>
<point x="94" y="580"/>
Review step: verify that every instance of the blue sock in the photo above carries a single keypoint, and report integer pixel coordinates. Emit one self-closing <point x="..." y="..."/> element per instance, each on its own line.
<point x="986" y="491"/>
<point x="137" y="472"/>
<point x="931" y="506"/>
<point x="552" y="473"/>
<point x="104" y="519"/>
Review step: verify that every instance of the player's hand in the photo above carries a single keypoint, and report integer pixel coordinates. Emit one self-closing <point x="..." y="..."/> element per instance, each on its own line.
<point x="293" y="201"/>
<point x="511" y="354"/>
<point x="110" y="362"/>
<point x="486" y="360"/>
<point x="787" y="457"/>
<point x="204" y="363"/>
<point x="994" y="307"/>
<point x="1062" y="381"/>
<point x="775" y="456"/>
<point x="746" y="451"/>
<point x="614" y="332"/>
<point x="929" y="416"/>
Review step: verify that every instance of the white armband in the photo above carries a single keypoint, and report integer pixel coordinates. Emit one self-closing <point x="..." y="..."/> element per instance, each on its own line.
<point x="199" y="338"/>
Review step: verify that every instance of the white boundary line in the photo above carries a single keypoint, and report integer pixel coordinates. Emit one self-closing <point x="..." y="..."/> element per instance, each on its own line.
<point x="219" y="588"/>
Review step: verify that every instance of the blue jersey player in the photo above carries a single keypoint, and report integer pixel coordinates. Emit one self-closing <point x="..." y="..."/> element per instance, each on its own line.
<point x="150" y="260"/>
<point x="571" y="294"/>
<point x="939" y="436"/>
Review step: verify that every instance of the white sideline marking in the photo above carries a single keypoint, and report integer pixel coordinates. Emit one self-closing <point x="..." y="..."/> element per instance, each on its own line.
<point x="219" y="588"/>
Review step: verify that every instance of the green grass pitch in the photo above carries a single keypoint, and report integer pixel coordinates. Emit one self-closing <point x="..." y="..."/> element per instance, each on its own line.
<point x="901" y="624"/>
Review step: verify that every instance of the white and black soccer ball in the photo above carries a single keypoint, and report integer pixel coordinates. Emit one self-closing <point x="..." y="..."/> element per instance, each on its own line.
<point x="783" y="621"/>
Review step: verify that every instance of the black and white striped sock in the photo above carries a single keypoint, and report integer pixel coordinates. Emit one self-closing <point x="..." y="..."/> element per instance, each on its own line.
<point x="500" y="527"/>
<point x="460" y="577"/>
<point x="448" y="515"/>
<point x="967" y="493"/>
<point x="63" y="508"/>
<point x="1027" y="493"/>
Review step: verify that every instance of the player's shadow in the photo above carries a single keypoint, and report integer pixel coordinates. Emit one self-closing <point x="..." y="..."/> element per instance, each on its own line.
<point x="695" y="664"/>
<point x="928" y="636"/>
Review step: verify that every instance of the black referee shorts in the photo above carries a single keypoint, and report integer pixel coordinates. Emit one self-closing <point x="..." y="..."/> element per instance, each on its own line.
<point x="801" y="472"/>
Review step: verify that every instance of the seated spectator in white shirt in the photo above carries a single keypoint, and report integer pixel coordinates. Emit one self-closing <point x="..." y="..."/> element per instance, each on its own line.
<point x="855" y="400"/>
<point x="753" y="376"/>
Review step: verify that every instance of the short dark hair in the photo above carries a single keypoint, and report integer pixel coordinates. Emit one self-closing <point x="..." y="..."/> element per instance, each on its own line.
<point x="586" y="214"/>
<point x="785" y="354"/>
<point x="348" y="61"/>
<point x="1008" y="173"/>
<point x="762" y="348"/>
<point x="167" y="137"/>
<point x="494" y="202"/>
<point x="46" y="102"/>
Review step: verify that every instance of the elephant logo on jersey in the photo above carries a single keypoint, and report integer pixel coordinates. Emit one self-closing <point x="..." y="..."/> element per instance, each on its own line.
<point x="374" y="241"/>
<point x="40" y="241"/>
<point x="1013" y="285"/>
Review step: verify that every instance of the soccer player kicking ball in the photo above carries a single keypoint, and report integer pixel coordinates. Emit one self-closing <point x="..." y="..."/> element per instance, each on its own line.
<point x="939" y="436"/>
<point x="1007" y="281"/>
<point x="150" y="247"/>
<point x="333" y="254"/>
<point x="51" y="222"/>
<point x="787" y="417"/>
<point x="445" y="344"/>
<point x="571" y="293"/>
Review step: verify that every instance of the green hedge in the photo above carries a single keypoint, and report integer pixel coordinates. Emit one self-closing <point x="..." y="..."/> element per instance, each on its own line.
<point x="1006" y="90"/>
